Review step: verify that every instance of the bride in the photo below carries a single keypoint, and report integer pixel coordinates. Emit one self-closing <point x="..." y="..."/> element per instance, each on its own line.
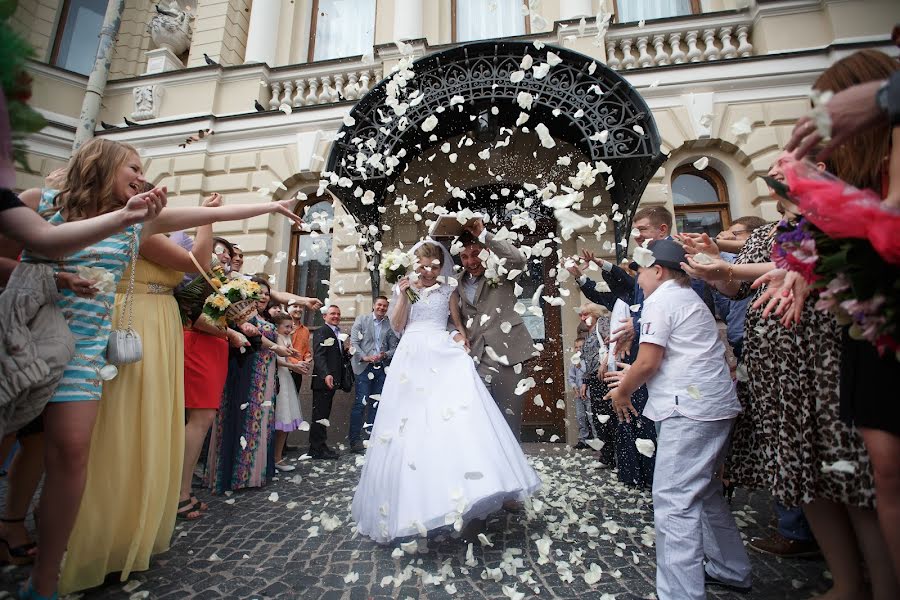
<point x="440" y="452"/>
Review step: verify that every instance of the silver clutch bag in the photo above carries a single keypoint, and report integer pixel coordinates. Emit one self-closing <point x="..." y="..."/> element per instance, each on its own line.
<point x="124" y="346"/>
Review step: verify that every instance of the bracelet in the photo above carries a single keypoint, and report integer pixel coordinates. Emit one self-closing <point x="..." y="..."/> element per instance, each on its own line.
<point x="730" y="274"/>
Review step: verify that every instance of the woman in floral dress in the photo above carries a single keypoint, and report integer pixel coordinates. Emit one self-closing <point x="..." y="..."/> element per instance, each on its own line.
<point x="243" y="436"/>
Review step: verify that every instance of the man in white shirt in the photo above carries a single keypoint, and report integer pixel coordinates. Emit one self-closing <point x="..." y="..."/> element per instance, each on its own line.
<point x="694" y="404"/>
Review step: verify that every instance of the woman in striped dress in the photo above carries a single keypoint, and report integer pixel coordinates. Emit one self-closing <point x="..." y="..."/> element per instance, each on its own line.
<point x="101" y="177"/>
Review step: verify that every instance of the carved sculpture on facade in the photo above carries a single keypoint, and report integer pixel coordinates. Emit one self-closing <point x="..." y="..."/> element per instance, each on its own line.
<point x="170" y="27"/>
<point x="147" y="99"/>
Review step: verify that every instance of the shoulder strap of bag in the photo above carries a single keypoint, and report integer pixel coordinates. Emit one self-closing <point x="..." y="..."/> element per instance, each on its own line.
<point x="201" y="270"/>
<point x="129" y="293"/>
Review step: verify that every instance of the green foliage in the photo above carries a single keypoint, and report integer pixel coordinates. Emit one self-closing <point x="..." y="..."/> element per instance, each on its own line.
<point x="16" y="84"/>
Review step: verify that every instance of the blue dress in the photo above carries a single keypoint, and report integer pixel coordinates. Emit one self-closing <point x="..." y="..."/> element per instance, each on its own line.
<point x="90" y="319"/>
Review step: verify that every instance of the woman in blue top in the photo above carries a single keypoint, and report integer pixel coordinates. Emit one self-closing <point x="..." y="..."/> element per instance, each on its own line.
<point x="101" y="178"/>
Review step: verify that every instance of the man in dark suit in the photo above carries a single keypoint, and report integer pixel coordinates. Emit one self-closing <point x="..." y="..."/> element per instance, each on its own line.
<point x="329" y="354"/>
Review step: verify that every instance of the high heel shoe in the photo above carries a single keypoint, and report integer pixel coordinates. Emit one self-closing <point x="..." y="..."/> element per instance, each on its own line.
<point x="27" y="592"/>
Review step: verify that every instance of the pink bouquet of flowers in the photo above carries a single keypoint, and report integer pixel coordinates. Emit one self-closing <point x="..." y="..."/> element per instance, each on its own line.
<point x="846" y="246"/>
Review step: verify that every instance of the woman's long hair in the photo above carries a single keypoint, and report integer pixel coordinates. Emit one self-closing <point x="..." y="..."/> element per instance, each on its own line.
<point x="860" y="160"/>
<point x="90" y="183"/>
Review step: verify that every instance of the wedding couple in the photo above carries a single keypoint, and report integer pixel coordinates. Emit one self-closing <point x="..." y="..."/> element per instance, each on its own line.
<point x="444" y="450"/>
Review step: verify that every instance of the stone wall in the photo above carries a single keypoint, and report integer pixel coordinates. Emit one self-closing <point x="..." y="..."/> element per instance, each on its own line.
<point x="36" y="20"/>
<point x="220" y="31"/>
<point x="129" y="58"/>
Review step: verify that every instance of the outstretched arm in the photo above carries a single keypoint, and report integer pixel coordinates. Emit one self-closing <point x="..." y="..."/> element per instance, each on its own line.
<point x="30" y="230"/>
<point x="163" y="251"/>
<point x="288" y="298"/>
<point x="173" y="219"/>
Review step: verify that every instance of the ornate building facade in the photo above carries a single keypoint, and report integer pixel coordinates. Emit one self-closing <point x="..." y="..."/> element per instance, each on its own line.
<point x="255" y="99"/>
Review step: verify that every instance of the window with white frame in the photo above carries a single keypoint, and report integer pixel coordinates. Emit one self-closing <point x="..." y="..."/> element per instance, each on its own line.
<point x="631" y="11"/>
<point x="341" y="28"/>
<point x="487" y="19"/>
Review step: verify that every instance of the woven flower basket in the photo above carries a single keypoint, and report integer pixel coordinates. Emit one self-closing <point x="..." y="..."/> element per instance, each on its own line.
<point x="240" y="312"/>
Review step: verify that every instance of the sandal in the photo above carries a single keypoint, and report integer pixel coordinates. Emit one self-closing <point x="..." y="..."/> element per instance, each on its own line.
<point x="188" y="511"/>
<point x="16" y="555"/>
<point x="203" y="506"/>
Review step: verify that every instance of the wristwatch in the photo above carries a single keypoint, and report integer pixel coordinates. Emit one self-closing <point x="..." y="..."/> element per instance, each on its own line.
<point x="887" y="98"/>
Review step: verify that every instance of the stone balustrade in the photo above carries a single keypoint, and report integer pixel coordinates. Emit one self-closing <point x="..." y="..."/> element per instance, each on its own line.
<point x="305" y="86"/>
<point x="678" y="42"/>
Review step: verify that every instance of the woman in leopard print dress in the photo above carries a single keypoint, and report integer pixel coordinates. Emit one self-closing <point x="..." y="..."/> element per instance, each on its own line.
<point x="791" y="423"/>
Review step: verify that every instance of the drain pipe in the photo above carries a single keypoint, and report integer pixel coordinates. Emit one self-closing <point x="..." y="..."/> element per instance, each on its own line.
<point x="90" y="108"/>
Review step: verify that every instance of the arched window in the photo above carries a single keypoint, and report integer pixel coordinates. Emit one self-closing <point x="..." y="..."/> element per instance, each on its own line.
<point x="483" y="19"/>
<point x="341" y="28"/>
<point x="701" y="200"/>
<point x="310" y="256"/>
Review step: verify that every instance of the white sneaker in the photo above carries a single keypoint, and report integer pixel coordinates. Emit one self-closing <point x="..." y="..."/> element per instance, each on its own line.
<point x="284" y="468"/>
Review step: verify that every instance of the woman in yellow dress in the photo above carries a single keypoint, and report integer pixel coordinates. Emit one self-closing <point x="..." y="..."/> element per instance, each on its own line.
<point x="128" y="510"/>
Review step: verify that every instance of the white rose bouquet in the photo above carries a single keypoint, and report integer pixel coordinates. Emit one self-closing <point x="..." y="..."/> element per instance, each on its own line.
<point x="395" y="265"/>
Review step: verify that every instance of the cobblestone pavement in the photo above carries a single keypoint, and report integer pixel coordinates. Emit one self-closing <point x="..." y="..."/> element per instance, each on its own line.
<point x="294" y="539"/>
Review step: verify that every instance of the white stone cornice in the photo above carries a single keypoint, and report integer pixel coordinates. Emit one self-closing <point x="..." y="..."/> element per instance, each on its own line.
<point x="57" y="74"/>
<point x="231" y="134"/>
<point x="53" y="141"/>
<point x="204" y="74"/>
<point x="783" y="8"/>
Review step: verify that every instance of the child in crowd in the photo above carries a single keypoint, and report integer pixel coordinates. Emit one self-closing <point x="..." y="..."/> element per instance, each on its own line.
<point x="288" y="416"/>
<point x="694" y="404"/>
<point x="582" y="400"/>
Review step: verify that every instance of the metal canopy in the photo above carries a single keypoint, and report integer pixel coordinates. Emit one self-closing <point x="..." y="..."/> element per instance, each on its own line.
<point x="577" y="99"/>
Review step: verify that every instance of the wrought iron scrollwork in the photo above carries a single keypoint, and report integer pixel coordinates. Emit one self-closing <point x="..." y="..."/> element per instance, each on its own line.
<point x="576" y="100"/>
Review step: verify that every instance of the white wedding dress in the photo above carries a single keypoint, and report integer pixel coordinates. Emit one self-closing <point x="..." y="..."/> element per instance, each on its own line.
<point x="440" y="452"/>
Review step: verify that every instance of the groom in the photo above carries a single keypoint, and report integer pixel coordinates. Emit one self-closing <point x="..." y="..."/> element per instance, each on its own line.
<point x="486" y="306"/>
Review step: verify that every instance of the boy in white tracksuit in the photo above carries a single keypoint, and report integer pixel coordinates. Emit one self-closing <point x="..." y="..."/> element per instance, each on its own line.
<point x="694" y="404"/>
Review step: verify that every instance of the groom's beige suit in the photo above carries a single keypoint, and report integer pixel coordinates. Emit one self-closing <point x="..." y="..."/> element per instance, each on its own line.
<point x="480" y="297"/>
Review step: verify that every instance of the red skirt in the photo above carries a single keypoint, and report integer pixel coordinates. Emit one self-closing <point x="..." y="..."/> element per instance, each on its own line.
<point x="205" y="369"/>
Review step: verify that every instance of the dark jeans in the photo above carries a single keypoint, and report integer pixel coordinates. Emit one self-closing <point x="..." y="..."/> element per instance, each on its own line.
<point x="792" y="524"/>
<point x="365" y="387"/>
<point x="606" y="432"/>
<point x="321" y="409"/>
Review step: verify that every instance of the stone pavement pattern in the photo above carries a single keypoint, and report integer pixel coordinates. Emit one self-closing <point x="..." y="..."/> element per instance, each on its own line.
<point x="586" y="537"/>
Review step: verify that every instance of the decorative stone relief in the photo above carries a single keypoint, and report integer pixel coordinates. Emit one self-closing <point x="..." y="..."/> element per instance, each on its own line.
<point x="147" y="99"/>
<point x="170" y="27"/>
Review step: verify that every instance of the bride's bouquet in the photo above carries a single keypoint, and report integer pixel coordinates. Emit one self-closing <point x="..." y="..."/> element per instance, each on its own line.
<point x="395" y="265"/>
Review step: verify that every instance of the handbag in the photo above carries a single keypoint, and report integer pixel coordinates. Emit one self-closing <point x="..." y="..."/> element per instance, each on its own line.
<point x="124" y="346"/>
<point x="347" y="374"/>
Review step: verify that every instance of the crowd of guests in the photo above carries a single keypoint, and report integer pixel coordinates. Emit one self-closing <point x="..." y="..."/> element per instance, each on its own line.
<point x="815" y="428"/>
<point x="116" y="445"/>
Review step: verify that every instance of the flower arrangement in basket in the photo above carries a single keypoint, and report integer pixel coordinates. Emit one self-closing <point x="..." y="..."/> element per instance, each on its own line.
<point x="395" y="265"/>
<point x="847" y="249"/>
<point x="234" y="302"/>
